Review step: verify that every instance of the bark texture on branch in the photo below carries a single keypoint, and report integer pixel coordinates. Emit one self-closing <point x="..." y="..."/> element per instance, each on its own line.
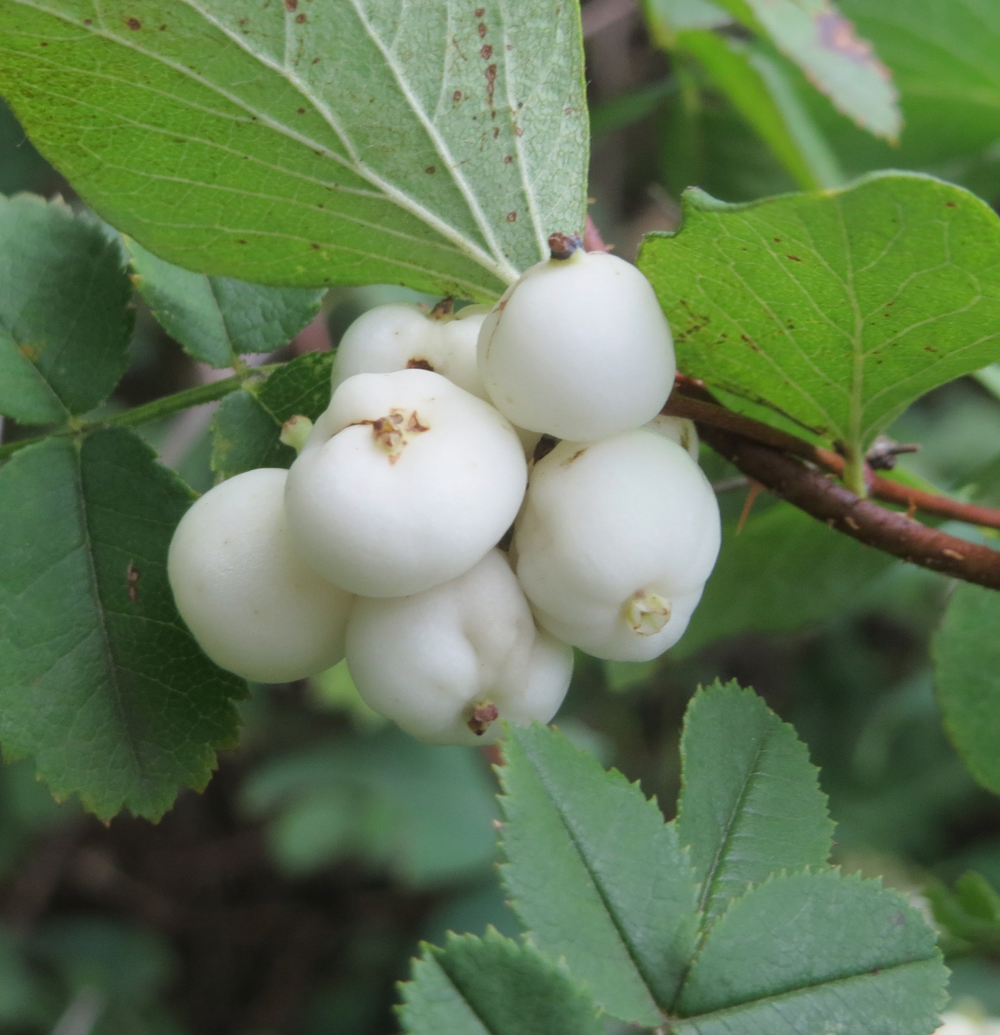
<point x="862" y="519"/>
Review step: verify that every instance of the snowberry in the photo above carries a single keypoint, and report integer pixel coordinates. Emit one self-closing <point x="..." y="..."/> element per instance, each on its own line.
<point x="404" y="483"/>
<point x="578" y="348"/>
<point x="615" y="542"/>
<point x="446" y="664"/>
<point x="250" y="601"/>
<point x="680" y="429"/>
<point x="397" y="336"/>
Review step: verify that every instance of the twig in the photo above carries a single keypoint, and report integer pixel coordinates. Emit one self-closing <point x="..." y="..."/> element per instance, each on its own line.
<point x="826" y="500"/>
<point x="706" y="413"/>
<point x="149" y="412"/>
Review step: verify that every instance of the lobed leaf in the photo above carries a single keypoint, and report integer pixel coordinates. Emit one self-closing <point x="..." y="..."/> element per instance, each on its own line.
<point x="966" y="652"/>
<point x="493" y="986"/>
<point x="595" y="874"/>
<point x="217" y="319"/>
<point x="433" y="145"/>
<point x="64" y="326"/>
<point x="816" y="952"/>
<point x="836" y="308"/>
<point x="99" y="679"/>
<point x="750" y="803"/>
<point x="246" y="429"/>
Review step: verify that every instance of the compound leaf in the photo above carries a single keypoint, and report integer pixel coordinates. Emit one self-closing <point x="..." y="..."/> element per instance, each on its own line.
<point x="433" y="145"/>
<point x="966" y="653"/>
<point x="595" y="874"/>
<point x="816" y="952"/>
<point x="493" y="986"/>
<point x="217" y="319"/>
<point x="99" y="679"/>
<point x="751" y="803"/>
<point x="247" y="427"/>
<point x="64" y="326"/>
<point x="837" y="308"/>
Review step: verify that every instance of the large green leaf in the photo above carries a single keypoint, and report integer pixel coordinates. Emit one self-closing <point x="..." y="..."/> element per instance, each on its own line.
<point x="366" y="141"/>
<point x="966" y="653"/>
<point x="595" y="874"/>
<point x="751" y="804"/>
<point x="217" y="319"/>
<point x="64" y="328"/>
<point x="824" y="44"/>
<point x="816" y="953"/>
<point x="838" y="308"/>
<point x="99" y="679"/>
<point x="783" y="570"/>
<point x="493" y="986"/>
<point x="246" y="430"/>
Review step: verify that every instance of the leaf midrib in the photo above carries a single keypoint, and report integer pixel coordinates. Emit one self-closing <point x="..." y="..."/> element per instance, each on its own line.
<point x="617" y="924"/>
<point x="789" y="992"/>
<point x="107" y="651"/>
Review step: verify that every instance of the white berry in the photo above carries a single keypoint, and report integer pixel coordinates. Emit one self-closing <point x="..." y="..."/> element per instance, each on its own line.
<point x="404" y="483"/>
<point x="615" y="542"/>
<point x="449" y="663"/>
<point x="397" y="336"/>
<point x="578" y="348"/>
<point x="254" y="607"/>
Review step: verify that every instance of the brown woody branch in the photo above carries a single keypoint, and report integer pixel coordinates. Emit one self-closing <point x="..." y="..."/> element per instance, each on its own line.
<point x="775" y="459"/>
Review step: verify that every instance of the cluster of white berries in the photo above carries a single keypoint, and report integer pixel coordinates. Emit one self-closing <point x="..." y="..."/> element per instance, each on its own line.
<point x="381" y="542"/>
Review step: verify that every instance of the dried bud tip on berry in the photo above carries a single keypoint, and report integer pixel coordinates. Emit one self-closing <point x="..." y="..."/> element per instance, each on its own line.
<point x="295" y="431"/>
<point x="483" y="716"/>
<point x="393" y="433"/>
<point x="443" y="309"/>
<point x="562" y="246"/>
<point x="646" y="613"/>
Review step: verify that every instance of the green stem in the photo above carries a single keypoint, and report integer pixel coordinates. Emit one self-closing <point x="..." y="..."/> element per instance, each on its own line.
<point x="154" y="410"/>
<point x="854" y="472"/>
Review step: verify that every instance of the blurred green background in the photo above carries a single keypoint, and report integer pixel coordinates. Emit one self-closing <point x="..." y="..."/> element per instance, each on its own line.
<point x="288" y="898"/>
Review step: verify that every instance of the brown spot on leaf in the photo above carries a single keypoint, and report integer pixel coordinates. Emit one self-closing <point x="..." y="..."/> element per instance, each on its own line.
<point x="508" y="159"/>
<point x="949" y="204"/>
<point x="134" y="23"/>
<point x="486" y="52"/>
<point x="291" y="5"/>
<point x="456" y="96"/>
<point x="491" y="80"/>
<point x="301" y="111"/>
<point x="300" y="18"/>
<point x="511" y="217"/>
<point x="482" y="29"/>
<point x="480" y="11"/>
<point x="794" y="258"/>
<point x="431" y="169"/>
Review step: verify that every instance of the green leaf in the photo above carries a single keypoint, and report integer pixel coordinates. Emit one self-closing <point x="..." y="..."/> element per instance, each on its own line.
<point x="751" y="803"/>
<point x="217" y="319"/>
<point x="247" y="427"/>
<point x="493" y="986"/>
<point x="945" y="59"/>
<point x="757" y="88"/>
<point x="816" y="952"/>
<point x="64" y="327"/>
<point x="595" y="874"/>
<point x="824" y="44"/>
<point x="99" y="679"/>
<point x="837" y="308"/>
<point x="433" y="145"/>
<point x="760" y="583"/>
<point x="966" y="652"/>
